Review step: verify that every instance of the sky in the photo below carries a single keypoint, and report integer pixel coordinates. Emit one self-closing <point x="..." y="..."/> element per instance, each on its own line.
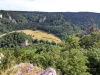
<point x="51" y="5"/>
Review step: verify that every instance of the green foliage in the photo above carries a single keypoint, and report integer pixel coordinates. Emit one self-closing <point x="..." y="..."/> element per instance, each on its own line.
<point x="86" y="41"/>
<point x="72" y="62"/>
<point x="8" y="60"/>
<point x="91" y="40"/>
<point x="83" y="19"/>
<point x="13" y="39"/>
<point x="71" y="42"/>
<point x="69" y="62"/>
<point x="94" y="60"/>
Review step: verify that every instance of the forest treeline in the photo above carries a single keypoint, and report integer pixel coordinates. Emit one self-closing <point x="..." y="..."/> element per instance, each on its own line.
<point x="59" y="23"/>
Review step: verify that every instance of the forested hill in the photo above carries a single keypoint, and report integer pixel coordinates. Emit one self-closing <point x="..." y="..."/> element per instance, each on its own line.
<point x="59" y="23"/>
<point x="83" y="19"/>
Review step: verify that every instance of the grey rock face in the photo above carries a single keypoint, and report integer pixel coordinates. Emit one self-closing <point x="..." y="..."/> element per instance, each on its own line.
<point x="49" y="71"/>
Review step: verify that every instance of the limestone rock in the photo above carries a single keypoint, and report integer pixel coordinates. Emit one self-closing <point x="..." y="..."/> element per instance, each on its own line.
<point x="42" y="19"/>
<point x="1" y="56"/>
<point x="49" y="71"/>
<point x="29" y="69"/>
<point x="89" y="30"/>
<point x="0" y="15"/>
<point x="11" y="19"/>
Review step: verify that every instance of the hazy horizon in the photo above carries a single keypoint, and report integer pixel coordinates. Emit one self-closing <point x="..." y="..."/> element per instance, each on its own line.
<point x="51" y="5"/>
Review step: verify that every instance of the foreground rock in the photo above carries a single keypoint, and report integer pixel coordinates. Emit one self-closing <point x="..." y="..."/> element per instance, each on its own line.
<point x="1" y="56"/>
<point x="29" y="69"/>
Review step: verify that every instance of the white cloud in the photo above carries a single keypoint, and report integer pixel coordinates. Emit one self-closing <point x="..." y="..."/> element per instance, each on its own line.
<point x="51" y="5"/>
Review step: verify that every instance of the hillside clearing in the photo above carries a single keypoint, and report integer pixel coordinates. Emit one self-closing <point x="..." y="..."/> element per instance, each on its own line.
<point x="40" y="35"/>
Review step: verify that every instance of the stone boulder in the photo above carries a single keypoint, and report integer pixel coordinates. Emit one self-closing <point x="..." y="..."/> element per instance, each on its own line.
<point x="29" y="69"/>
<point x="1" y="56"/>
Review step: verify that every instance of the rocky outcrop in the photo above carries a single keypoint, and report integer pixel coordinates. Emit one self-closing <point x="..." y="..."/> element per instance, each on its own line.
<point x="24" y="43"/>
<point x="89" y="30"/>
<point x="29" y="69"/>
<point x="14" y="21"/>
<point x="1" y="56"/>
<point x="0" y="15"/>
<point x="42" y="19"/>
<point x="10" y="18"/>
<point x="49" y="71"/>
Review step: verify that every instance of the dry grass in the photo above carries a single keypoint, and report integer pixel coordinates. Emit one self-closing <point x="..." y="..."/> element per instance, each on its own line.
<point x="40" y="35"/>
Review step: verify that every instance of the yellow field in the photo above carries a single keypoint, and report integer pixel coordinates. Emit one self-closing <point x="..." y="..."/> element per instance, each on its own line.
<point x="39" y="35"/>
